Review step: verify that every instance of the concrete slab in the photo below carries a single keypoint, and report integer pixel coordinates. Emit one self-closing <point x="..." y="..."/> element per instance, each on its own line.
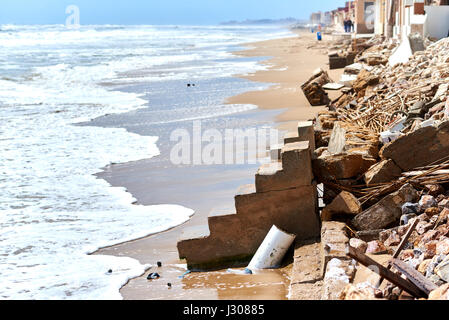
<point x="333" y="243"/>
<point x="196" y="232"/>
<point x="294" y="171"/>
<point x="291" y="137"/>
<point x="293" y="210"/>
<point x="306" y="132"/>
<point x="275" y="152"/>
<point x="296" y="158"/>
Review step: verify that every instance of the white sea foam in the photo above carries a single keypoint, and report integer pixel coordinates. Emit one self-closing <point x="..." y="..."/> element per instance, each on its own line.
<point x="53" y="211"/>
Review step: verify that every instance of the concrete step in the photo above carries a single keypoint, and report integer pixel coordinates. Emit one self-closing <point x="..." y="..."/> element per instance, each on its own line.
<point x="271" y="177"/>
<point x="231" y="243"/>
<point x="214" y="253"/>
<point x="192" y="239"/>
<point x="294" y="170"/>
<point x="291" y="137"/>
<point x="221" y="218"/>
<point x="194" y="233"/>
<point x="275" y="152"/>
<point x="246" y="189"/>
<point x="293" y="210"/>
<point x="306" y="133"/>
<point x="297" y="160"/>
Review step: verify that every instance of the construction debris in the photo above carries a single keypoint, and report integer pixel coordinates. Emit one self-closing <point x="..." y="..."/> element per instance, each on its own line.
<point x="382" y="172"/>
<point x="383" y="158"/>
<point x="344" y="204"/>
<point x="387" y="211"/>
<point x="313" y="88"/>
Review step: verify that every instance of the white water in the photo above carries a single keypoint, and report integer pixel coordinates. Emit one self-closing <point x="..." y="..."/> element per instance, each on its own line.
<point x="53" y="211"/>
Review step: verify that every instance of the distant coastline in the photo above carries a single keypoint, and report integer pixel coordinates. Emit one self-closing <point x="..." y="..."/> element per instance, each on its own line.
<point x="280" y="22"/>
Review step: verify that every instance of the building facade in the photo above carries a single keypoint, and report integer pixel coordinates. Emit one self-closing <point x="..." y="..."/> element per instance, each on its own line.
<point x="394" y="18"/>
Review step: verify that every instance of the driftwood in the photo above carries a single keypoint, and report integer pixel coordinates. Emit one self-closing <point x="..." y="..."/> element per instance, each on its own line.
<point x="395" y="279"/>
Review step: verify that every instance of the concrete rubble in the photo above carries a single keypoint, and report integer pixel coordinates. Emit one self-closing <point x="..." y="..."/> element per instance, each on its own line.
<point x="313" y="88"/>
<point x="382" y="156"/>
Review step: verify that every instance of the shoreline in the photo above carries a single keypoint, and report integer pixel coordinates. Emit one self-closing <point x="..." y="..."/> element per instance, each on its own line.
<point x="290" y="64"/>
<point x="289" y="67"/>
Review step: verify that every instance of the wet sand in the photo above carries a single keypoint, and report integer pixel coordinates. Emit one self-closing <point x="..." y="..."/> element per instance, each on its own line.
<point x="205" y="187"/>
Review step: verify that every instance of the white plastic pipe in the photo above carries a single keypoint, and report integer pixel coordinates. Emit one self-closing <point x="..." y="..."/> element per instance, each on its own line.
<point x="272" y="250"/>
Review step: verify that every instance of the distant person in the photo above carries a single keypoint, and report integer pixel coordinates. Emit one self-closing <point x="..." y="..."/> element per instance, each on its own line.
<point x="350" y="26"/>
<point x="346" y="25"/>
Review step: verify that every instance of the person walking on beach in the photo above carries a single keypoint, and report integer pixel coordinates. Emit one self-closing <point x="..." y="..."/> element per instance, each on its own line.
<point x="350" y="26"/>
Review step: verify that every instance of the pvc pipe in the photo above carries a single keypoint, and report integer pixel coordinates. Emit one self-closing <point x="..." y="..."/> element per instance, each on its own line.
<point x="272" y="250"/>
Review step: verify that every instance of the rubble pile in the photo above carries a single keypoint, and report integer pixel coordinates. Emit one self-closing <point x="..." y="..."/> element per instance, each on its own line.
<point x="344" y="51"/>
<point x="366" y="61"/>
<point x="378" y="53"/>
<point x="400" y="97"/>
<point x="382" y="155"/>
<point x="388" y="114"/>
<point x="426" y="251"/>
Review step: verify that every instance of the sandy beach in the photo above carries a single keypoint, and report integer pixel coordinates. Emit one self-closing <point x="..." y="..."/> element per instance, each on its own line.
<point x="291" y="62"/>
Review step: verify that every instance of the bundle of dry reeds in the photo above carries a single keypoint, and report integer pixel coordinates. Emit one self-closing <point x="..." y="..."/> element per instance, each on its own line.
<point x="419" y="178"/>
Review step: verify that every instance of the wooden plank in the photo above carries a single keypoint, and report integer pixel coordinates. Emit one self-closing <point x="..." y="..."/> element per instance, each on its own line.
<point x="405" y="239"/>
<point x="401" y="246"/>
<point x="414" y="276"/>
<point x="385" y="273"/>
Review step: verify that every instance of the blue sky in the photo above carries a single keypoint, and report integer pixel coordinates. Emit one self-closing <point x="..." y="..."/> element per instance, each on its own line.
<point x="157" y="11"/>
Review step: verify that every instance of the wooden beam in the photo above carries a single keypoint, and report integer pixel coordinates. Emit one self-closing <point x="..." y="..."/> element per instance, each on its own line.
<point x="401" y="246"/>
<point x="385" y="273"/>
<point x="414" y="276"/>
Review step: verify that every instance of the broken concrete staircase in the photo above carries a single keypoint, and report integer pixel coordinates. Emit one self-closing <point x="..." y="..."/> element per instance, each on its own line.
<point x="284" y="195"/>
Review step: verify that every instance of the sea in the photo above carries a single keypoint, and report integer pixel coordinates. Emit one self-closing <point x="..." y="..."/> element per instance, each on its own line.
<point x="54" y="211"/>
